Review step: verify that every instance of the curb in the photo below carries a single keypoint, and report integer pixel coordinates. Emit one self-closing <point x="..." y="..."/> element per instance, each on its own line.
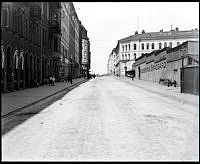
<point x="37" y="101"/>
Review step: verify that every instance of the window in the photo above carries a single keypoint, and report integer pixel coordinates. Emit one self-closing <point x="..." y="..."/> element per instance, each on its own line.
<point x="147" y="46"/>
<point x="122" y="47"/>
<point x="129" y="46"/>
<point x="134" y="46"/>
<point x="128" y="56"/>
<point x="165" y="44"/>
<point x="26" y="28"/>
<point x="134" y="56"/>
<point x="5" y="17"/>
<point x="152" y="46"/>
<point x="189" y="61"/>
<point x="126" y="47"/>
<point x="142" y="46"/>
<point x="125" y="56"/>
<point x="160" y="45"/>
<point x="178" y="43"/>
<point x="170" y="44"/>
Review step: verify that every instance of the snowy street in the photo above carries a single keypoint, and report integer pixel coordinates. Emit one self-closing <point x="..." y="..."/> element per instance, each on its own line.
<point x="107" y="119"/>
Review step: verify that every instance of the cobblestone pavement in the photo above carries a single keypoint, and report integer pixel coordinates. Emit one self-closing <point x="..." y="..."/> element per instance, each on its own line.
<point x="107" y="119"/>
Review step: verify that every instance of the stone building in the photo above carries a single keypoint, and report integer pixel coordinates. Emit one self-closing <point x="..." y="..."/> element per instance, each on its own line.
<point x="65" y="58"/>
<point x="28" y="30"/>
<point x="85" y="52"/>
<point x="39" y="40"/>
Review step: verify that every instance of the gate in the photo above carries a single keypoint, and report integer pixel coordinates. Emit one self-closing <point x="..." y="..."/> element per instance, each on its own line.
<point x="190" y="80"/>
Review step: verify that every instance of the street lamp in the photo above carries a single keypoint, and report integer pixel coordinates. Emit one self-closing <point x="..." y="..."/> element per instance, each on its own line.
<point x="182" y="69"/>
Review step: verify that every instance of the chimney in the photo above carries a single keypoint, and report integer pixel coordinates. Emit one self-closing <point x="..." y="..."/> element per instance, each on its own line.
<point x="143" y="31"/>
<point x="161" y="30"/>
<point x="177" y="29"/>
<point x="136" y="32"/>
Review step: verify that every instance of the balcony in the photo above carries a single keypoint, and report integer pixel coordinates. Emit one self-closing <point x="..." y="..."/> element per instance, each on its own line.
<point x="54" y="26"/>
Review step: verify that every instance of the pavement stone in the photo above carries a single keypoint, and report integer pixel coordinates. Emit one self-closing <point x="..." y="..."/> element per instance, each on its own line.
<point x="21" y="98"/>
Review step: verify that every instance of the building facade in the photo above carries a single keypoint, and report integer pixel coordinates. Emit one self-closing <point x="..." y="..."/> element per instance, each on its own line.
<point x="132" y="47"/>
<point x="85" y="52"/>
<point x="38" y="40"/>
<point x="28" y="30"/>
<point x="65" y="39"/>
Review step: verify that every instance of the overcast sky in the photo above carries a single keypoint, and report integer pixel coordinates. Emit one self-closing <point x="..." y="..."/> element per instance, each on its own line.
<point x="107" y="22"/>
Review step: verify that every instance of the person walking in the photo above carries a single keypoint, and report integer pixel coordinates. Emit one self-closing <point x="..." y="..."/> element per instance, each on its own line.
<point x="50" y="81"/>
<point x="53" y="80"/>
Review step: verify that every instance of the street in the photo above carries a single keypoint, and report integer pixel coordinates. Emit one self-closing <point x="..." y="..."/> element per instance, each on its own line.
<point x="107" y="119"/>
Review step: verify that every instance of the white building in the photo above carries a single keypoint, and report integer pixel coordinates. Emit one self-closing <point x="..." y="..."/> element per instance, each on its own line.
<point x="136" y="45"/>
<point x="111" y="63"/>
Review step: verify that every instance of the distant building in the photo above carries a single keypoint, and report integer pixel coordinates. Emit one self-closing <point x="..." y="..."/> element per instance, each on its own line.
<point x="132" y="47"/>
<point x="111" y="63"/>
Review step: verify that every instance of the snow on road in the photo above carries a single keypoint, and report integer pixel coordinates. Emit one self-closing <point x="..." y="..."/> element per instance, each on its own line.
<point x="107" y="119"/>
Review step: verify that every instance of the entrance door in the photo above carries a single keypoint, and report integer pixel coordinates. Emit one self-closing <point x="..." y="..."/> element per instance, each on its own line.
<point x="139" y="72"/>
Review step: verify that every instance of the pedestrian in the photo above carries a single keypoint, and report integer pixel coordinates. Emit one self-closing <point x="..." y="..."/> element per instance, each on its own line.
<point x="53" y="80"/>
<point x="68" y="78"/>
<point x="132" y="77"/>
<point x="50" y="81"/>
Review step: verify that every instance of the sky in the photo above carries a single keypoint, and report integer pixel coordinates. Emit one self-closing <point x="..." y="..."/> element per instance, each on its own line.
<point x="108" y="22"/>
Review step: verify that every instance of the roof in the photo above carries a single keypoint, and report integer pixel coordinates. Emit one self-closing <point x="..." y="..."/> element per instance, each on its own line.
<point x="162" y="35"/>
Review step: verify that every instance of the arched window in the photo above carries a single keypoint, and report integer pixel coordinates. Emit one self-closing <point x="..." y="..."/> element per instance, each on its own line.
<point x="126" y="47"/>
<point x="152" y="46"/>
<point x="170" y="44"/>
<point x="160" y="45"/>
<point x="128" y="56"/>
<point x="122" y="57"/>
<point x="129" y="46"/>
<point x="134" y="46"/>
<point x="125" y="56"/>
<point x="142" y="46"/>
<point x="122" y="47"/>
<point x="165" y="44"/>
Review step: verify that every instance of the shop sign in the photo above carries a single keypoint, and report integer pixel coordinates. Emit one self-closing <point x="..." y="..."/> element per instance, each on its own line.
<point x="155" y="66"/>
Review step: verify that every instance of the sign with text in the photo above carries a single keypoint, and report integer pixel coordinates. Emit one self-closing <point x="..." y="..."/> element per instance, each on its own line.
<point x="155" y="66"/>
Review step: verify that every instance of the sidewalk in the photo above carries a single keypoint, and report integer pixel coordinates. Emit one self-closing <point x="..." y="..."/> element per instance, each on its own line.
<point x="168" y="92"/>
<point x="19" y="99"/>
